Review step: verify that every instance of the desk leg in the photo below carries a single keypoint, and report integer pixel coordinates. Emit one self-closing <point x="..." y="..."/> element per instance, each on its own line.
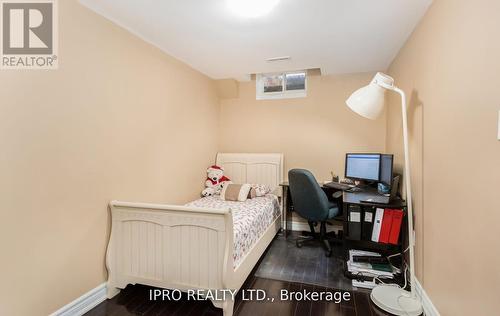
<point x="286" y="213"/>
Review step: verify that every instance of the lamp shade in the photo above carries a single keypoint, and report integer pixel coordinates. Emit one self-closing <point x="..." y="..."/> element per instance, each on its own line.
<point x="369" y="101"/>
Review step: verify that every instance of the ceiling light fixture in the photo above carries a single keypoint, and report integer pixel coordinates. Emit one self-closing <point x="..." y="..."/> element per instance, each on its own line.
<point x="278" y="58"/>
<point x="251" y="8"/>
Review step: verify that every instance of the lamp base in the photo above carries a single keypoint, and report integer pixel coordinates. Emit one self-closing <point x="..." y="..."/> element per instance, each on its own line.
<point x="396" y="301"/>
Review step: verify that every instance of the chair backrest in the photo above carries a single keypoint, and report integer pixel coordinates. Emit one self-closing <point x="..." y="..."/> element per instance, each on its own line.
<point x="309" y="200"/>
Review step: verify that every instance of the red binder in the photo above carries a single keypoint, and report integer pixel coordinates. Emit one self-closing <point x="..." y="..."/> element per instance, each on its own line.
<point x="386" y="226"/>
<point x="397" y="219"/>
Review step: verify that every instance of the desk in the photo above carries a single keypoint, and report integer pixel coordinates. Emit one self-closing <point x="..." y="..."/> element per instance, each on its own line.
<point x="347" y="199"/>
<point x="356" y="198"/>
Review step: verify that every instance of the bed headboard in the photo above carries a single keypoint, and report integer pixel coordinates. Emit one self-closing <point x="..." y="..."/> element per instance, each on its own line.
<point x="253" y="168"/>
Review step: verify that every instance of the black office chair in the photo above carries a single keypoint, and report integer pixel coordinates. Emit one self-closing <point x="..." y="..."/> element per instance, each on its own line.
<point x="311" y="203"/>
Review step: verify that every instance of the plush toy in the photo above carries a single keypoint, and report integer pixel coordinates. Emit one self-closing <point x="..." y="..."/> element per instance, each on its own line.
<point x="208" y="192"/>
<point x="215" y="181"/>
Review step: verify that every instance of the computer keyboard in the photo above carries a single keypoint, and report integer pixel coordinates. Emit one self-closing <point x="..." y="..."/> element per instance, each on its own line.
<point x="339" y="186"/>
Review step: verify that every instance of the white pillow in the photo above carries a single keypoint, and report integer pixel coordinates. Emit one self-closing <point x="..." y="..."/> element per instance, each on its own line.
<point x="261" y="189"/>
<point x="235" y="192"/>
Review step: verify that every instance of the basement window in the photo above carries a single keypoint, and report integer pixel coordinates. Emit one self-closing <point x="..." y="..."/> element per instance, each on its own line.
<point x="282" y="85"/>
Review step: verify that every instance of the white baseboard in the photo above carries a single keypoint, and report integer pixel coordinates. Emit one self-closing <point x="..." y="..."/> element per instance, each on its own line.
<point x="429" y="308"/>
<point x="300" y="226"/>
<point x="84" y="303"/>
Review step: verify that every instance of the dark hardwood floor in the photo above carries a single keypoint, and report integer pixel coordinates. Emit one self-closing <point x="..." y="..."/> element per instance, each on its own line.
<point x="282" y="265"/>
<point x="285" y="262"/>
<point x="134" y="300"/>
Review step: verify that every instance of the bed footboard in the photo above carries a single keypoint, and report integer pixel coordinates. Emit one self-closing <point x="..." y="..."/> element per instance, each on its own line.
<point x="170" y="246"/>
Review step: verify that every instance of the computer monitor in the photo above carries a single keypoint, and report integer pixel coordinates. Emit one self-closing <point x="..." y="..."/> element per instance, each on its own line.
<point x="386" y="163"/>
<point x="363" y="166"/>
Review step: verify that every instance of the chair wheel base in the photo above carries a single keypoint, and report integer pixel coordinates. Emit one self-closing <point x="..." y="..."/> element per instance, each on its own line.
<point x="298" y="244"/>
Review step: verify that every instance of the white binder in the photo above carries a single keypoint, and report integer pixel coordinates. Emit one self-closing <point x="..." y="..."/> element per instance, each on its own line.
<point x="377" y="224"/>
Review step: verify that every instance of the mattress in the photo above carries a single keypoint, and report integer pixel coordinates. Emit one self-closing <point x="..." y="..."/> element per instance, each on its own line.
<point x="250" y="218"/>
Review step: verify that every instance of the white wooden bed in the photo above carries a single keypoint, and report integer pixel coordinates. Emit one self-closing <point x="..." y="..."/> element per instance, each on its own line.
<point x="179" y="247"/>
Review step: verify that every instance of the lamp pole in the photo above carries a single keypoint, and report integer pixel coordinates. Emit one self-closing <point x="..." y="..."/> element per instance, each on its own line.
<point x="368" y="101"/>
<point x="407" y="175"/>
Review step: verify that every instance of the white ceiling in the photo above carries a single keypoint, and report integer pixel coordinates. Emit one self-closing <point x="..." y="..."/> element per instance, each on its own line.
<point x="338" y="36"/>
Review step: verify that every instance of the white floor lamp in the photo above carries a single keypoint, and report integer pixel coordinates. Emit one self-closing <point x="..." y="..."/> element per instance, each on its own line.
<point x="369" y="102"/>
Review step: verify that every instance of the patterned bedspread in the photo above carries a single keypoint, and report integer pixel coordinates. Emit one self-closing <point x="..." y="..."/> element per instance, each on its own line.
<point x="251" y="219"/>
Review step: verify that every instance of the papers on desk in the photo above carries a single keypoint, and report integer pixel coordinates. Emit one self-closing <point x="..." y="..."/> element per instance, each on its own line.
<point x="384" y="271"/>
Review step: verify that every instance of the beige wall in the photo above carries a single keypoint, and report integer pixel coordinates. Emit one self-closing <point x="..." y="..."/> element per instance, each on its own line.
<point x="118" y="120"/>
<point x="451" y="69"/>
<point x="313" y="132"/>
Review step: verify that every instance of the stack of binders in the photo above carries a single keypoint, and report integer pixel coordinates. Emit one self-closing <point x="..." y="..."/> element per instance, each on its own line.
<point x="369" y="265"/>
<point x="387" y="225"/>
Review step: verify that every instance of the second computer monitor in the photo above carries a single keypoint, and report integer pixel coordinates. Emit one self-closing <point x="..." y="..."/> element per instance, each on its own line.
<point x="386" y="169"/>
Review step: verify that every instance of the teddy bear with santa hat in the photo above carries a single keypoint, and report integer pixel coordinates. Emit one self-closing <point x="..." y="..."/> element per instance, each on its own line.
<point x="215" y="181"/>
